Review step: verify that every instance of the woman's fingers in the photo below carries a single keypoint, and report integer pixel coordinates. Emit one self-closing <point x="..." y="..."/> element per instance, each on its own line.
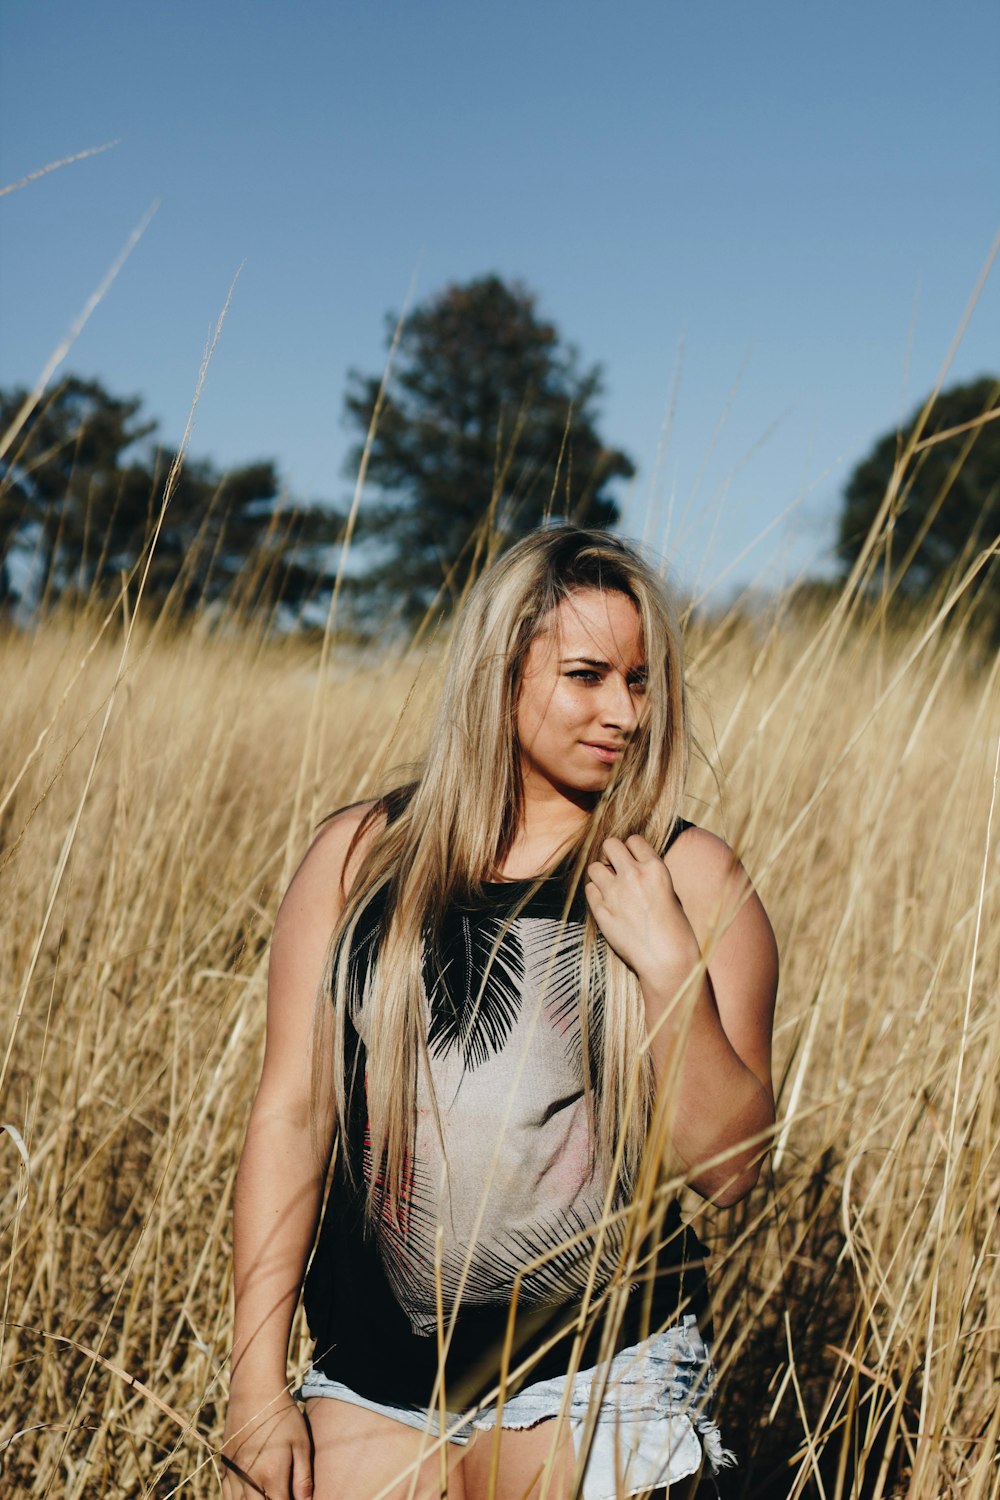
<point x="615" y="857"/>
<point x="302" y="1472"/>
<point x="242" y="1489"/>
<point x="233" y="1482"/>
<point x="614" y="852"/>
<point x="270" y="1477"/>
<point x="615" y="860"/>
<point x="640" y="848"/>
<point x="621" y="852"/>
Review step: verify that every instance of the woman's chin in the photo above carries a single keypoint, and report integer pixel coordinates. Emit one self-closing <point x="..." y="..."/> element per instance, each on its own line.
<point x="590" y="785"/>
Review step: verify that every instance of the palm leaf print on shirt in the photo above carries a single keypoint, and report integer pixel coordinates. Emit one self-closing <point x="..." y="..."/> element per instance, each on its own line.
<point x="550" y="1260"/>
<point x="554" y="953"/>
<point x="474" y="993"/>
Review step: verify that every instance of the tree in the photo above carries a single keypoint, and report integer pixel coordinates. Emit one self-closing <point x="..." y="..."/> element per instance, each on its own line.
<point x="487" y="411"/>
<point x="81" y="492"/>
<point x="949" y="503"/>
<point x="60" y="473"/>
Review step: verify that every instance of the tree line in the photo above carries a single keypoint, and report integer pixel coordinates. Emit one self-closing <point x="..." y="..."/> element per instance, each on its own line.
<point x="489" y="413"/>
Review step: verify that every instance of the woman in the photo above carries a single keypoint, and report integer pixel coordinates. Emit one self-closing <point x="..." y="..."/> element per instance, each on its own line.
<point x="541" y="993"/>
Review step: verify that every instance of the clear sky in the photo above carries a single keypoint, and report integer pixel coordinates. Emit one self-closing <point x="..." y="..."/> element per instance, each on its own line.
<point x="782" y="206"/>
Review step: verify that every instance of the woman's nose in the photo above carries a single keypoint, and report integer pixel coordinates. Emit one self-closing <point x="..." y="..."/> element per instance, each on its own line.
<point x="619" y="708"/>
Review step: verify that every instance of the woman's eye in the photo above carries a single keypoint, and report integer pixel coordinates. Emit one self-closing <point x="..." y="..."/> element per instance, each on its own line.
<point x="584" y="675"/>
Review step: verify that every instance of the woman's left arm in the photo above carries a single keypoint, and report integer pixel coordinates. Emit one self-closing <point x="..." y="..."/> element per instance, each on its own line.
<point x="667" y="918"/>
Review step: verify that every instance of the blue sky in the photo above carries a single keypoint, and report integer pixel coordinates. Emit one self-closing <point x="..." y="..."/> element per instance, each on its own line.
<point x="783" y="206"/>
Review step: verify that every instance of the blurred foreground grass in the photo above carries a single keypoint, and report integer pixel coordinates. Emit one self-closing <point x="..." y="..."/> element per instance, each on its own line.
<point x="857" y="1291"/>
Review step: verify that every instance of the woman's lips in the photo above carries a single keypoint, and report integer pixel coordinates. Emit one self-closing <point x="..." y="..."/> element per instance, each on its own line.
<point x="606" y="753"/>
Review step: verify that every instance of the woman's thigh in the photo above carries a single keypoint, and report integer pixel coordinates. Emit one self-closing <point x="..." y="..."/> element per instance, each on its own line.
<point x="539" y="1463"/>
<point x="535" y="1463"/>
<point x="363" y="1455"/>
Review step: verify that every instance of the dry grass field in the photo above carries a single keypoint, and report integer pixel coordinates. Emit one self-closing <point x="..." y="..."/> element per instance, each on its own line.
<point x="155" y="799"/>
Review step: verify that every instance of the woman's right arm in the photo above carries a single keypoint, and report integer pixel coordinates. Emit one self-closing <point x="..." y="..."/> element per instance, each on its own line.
<point x="279" y="1184"/>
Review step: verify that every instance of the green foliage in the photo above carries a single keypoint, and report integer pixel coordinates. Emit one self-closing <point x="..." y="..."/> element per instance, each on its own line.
<point x="81" y="493"/>
<point x="948" y="507"/>
<point x="487" y="411"/>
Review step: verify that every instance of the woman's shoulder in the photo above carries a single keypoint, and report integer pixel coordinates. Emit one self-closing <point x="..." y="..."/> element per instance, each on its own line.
<point x="701" y="854"/>
<point x="323" y="877"/>
<point x="344" y="821"/>
<point x="710" y="878"/>
<point x="339" y="845"/>
<point x="693" y="844"/>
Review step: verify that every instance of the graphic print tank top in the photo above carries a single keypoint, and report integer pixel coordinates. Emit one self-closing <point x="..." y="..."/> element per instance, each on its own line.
<point x="503" y="1191"/>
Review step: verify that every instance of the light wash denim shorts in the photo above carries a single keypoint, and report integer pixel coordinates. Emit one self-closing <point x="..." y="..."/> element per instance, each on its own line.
<point x="652" y="1426"/>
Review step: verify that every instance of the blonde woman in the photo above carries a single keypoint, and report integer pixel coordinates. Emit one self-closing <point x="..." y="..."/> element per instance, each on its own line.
<point x="505" y="1003"/>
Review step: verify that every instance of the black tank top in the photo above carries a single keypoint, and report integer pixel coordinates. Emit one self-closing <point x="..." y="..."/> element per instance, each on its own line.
<point x="512" y="1173"/>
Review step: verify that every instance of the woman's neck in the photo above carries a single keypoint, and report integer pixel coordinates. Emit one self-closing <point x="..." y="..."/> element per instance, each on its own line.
<point x="546" y="829"/>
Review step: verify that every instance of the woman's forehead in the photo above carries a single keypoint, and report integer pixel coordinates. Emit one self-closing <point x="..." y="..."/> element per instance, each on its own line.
<point x="596" y="624"/>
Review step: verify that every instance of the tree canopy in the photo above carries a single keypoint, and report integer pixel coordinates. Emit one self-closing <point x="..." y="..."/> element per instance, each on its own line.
<point x="81" y="491"/>
<point x="487" y="413"/>
<point x="949" y="503"/>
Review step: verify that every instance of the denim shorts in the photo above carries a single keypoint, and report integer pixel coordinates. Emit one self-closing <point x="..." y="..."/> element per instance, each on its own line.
<point x="643" y="1417"/>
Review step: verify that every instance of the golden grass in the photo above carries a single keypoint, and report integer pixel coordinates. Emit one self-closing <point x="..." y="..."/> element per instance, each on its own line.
<point x="857" y="1292"/>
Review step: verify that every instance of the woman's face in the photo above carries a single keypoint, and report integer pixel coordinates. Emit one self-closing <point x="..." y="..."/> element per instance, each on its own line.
<point x="581" y="694"/>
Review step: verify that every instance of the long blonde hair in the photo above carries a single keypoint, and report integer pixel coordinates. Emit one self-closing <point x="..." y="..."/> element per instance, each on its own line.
<point x="452" y="828"/>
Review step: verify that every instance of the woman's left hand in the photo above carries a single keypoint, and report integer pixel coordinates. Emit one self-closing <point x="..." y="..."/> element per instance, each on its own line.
<point x="635" y="905"/>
